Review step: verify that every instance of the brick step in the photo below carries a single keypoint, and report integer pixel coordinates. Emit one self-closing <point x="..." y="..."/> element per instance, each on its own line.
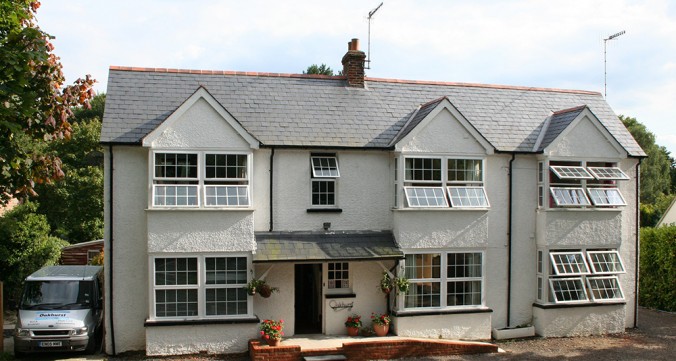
<point x="325" y="358"/>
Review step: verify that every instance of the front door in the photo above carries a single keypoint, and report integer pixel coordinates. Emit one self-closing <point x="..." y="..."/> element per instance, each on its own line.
<point x="308" y="296"/>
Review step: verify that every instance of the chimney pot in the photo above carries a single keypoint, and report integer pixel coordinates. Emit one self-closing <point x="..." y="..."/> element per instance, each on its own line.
<point x="355" y="44"/>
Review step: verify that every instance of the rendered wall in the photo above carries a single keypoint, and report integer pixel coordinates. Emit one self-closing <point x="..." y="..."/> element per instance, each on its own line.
<point x="364" y="192"/>
<point x="130" y="263"/>
<point x="192" y="339"/>
<point x="463" y="326"/>
<point x="369" y="299"/>
<point x="579" y="321"/>
<point x="280" y="305"/>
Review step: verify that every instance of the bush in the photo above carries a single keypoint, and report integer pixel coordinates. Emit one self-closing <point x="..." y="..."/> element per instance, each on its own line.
<point x="25" y="247"/>
<point x="658" y="268"/>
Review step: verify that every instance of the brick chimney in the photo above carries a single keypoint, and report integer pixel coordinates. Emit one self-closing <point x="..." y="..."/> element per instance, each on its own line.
<point x="353" y="64"/>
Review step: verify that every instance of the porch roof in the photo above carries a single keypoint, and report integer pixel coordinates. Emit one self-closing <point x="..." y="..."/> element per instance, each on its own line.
<point x="325" y="246"/>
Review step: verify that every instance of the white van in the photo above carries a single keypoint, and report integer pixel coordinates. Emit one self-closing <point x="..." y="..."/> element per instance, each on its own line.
<point x="61" y="310"/>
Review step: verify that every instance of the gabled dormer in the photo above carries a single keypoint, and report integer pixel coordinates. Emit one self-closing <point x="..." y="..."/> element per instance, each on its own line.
<point x="200" y="157"/>
<point x="442" y="158"/>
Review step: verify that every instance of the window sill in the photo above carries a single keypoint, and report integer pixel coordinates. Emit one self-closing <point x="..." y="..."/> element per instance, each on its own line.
<point x="324" y="210"/>
<point x="581" y="304"/>
<point x="340" y="295"/>
<point x="197" y="209"/>
<point x="413" y="313"/>
<point x="221" y="321"/>
<point x="441" y="209"/>
<point x="581" y="209"/>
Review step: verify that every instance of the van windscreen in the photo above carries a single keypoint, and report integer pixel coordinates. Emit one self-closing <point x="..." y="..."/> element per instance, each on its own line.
<point x="57" y="295"/>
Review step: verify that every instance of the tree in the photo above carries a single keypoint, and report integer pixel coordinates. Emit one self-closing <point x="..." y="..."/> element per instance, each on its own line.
<point x="656" y="168"/>
<point x="35" y="107"/>
<point x="25" y="246"/>
<point x="74" y="205"/>
<point x="319" y="69"/>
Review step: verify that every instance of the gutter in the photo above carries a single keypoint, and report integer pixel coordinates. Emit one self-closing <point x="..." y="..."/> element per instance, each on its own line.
<point x="110" y="249"/>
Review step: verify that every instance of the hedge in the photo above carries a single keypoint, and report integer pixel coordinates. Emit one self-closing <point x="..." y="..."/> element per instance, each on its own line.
<point x="658" y="268"/>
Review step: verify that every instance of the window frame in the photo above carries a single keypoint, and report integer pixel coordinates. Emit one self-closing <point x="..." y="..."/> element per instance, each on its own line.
<point x="599" y="201"/>
<point x="603" y="299"/>
<point x="342" y="290"/>
<point x="326" y="194"/>
<point x="201" y="182"/>
<point x="443" y="280"/>
<point x="561" y="271"/>
<point x="483" y="192"/>
<point x="582" y="289"/>
<point x="316" y="174"/>
<point x="617" y="261"/>
<point x="440" y="189"/>
<point x="603" y="173"/>
<point x="440" y="179"/>
<point x="201" y="286"/>
<point x="562" y="202"/>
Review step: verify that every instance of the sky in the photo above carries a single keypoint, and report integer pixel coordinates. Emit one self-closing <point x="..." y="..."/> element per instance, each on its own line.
<point x="553" y="43"/>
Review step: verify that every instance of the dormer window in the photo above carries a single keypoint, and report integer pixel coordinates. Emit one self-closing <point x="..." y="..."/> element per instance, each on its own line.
<point x="200" y="179"/>
<point x="443" y="182"/>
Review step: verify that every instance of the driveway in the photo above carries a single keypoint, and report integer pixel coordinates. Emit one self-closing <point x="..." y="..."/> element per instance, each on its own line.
<point x="654" y="339"/>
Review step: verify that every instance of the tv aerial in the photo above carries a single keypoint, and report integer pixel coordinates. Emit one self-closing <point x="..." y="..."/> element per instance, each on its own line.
<point x="368" y="57"/>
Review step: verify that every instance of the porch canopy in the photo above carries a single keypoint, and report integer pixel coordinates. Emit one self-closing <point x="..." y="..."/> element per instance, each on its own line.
<point x="325" y="246"/>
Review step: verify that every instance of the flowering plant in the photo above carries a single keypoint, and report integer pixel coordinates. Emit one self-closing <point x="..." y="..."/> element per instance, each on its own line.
<point x="353" y="321"/>
<point x="271" y="329"/>
<point x="380" y="319"/>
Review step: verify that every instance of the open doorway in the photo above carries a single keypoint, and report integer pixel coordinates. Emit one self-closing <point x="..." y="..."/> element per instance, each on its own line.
<point x="308" y="296"/>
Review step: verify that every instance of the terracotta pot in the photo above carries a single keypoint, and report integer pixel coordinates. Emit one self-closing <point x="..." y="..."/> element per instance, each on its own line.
<point x="273" y="341"/>
<point x="381" y="330"/>
<point x="353" y="331"/>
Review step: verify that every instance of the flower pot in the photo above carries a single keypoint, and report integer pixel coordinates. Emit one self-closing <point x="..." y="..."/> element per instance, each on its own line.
<point x="272" y="342"/>
<point x="381" y="330"/>
<point x="353" y="331"/>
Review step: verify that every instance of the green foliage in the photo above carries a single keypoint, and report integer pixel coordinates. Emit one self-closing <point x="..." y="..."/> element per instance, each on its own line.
<point x="651" y="213"/>
<point x="319" y="69"/>
<point x="658" y="268"/>
<point x="74" y="205"/>
<point x="655" y="170"/>
<point x="35" y="107"/>
<point x="6" y="356"/>
<point x="25" y="246"/>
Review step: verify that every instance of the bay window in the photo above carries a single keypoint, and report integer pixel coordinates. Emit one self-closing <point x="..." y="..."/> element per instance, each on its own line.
<point x="193" y="287"/>
<point x="575" y="184"/>
<point x="579" y="276"/>
<point x="444" y="280"/>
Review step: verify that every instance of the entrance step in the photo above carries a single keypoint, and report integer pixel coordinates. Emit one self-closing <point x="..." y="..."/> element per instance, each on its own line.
<point x="325" y="358"/>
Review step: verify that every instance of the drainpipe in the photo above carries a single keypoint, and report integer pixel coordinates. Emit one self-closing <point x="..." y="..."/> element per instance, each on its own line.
<point x="509" y="240"/>
<point x="110" y="249"/>
<point x="638" y="239"/>
<point x="272" y="158"/>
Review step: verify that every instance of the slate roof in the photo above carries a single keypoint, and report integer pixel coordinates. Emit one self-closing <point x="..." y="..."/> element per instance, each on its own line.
<point x="321" y="246"/>
<point x="297" y="110"/>
<point x="557" y="123"/>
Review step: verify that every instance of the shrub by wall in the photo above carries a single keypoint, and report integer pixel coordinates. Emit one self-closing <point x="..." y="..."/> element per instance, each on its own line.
<point x="658" y="268"/>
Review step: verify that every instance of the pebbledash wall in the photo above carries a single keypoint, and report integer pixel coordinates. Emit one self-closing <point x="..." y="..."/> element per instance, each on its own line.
<point x="140" y="232"/>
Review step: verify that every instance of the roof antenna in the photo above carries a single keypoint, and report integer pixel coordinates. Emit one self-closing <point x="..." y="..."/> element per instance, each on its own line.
<point x="371" y="13"/>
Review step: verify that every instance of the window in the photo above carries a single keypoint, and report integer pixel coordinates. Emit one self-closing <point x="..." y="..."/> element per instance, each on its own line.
<point x="581" y="184"/>
<point x="581" y="276"/>
<point x="325" y="171"/>
<point x="200" y="179"/>
<point x="195" y="287"/>
<point x="440" y="280"/>
<point x="440" y="182"/>
<point x="338" y="275"/>
<point x="91" y="254"/>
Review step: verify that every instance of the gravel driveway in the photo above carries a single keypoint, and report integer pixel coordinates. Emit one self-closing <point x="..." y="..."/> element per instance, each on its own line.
<point x="655" y="339"/>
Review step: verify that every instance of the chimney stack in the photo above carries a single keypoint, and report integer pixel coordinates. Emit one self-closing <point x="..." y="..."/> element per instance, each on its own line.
<point x="353" y="64"/>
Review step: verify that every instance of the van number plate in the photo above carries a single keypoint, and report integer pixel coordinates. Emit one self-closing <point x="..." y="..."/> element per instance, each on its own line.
<point x="50" y="344"/>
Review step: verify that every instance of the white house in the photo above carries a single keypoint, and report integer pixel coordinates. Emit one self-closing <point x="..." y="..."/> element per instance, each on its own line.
<point x="501" y="205"/>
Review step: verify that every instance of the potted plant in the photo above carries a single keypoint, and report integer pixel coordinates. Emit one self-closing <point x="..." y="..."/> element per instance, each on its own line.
<point x="252" y="286"/>
<point x="381" y="323"/>
<point x="401" y="284"/>
<point x="260" y="287"/>
<point x="385" y="285"/>
<point x="353" y="324"/>
<point x="271" y="331"/>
